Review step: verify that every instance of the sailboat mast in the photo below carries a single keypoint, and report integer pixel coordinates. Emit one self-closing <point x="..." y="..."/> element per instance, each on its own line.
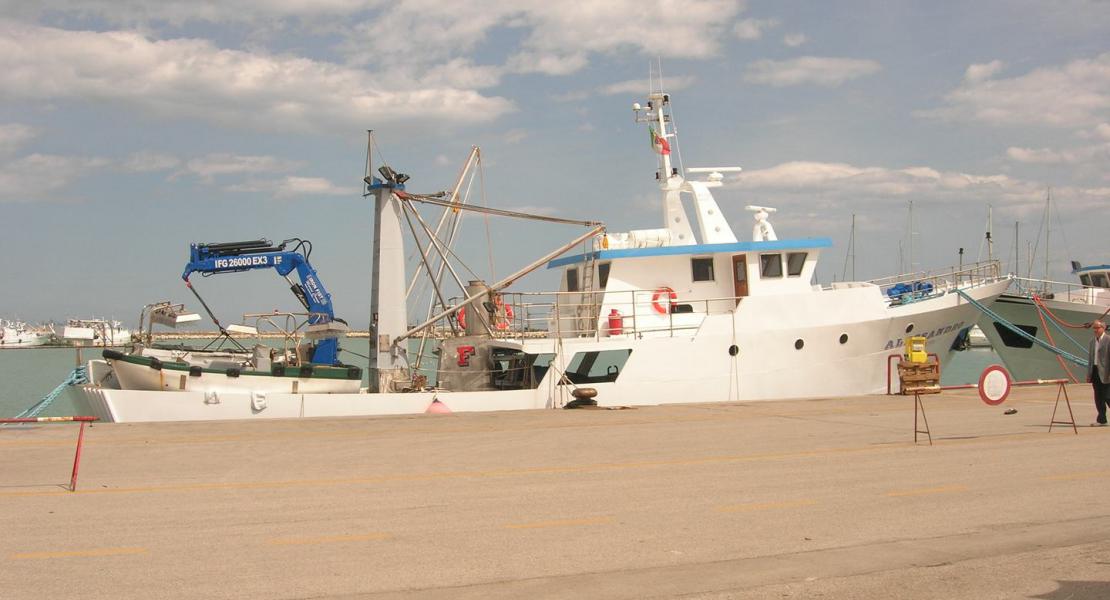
<point x="990" y="240"/>
<point x="1047" y="231"/>
<point x="853" y="246"/>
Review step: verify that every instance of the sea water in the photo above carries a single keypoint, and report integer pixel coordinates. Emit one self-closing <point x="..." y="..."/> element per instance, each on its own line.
<point x="28" y="374"/>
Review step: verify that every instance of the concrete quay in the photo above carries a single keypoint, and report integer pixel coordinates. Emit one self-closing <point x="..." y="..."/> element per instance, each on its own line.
<point x="826" y="498"/>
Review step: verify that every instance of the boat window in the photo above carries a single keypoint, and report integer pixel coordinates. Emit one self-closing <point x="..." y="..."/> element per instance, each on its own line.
<point x="540" y="364"/>
<point x="794" y="263"/>
<point x="603" y="274"/>
<point x="702" y="269"/>
<point x="596" y="367"/>
<point x="1099" y="280"/>
<point x="1085" y="279"/>
<point x="770" y="265"/>
<point x="1013" y="340"/>
<point x="572" y="279"/>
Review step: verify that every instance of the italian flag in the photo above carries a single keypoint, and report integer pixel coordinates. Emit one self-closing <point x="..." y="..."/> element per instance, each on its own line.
<point x="659" y="143"/>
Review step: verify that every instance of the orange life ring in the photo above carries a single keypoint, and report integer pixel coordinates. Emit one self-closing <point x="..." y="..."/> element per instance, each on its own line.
<point x="503" y="323"/>
<point x="461" y="316"/>
<point x="659" y="293"/>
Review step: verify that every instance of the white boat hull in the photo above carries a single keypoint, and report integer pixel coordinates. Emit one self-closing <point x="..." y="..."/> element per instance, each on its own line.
<point x="693" y="367"/>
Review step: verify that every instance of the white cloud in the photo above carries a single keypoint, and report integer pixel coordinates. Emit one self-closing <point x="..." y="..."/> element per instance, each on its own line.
<point x="839" y="181"/>
<point x="145" y="162"/>
<point x="1076" y="94"/>
<point x="13" y="136"/>
<point x="38" y="176"/>
<point x="1039" y="155"/>
<point x="207" y="168"/>
<point x="178" y="12"/>
<point x="290" y="185"/>
<point x="816" y="70"/>
<point x="794" y="40"/>
<point x="977" y="73"/>
<point x="515" y="136"/>
<point x="547" y="63"/>
<point x="752" y="29"/>
<point x="1094" y="155"/>
<point x="641" y="87"/>
<point x="193" y="78"/>
<point x="554" y="39"/>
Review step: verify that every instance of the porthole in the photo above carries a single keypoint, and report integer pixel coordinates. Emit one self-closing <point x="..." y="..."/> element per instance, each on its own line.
<point x="909" y="328"/>
<point x="798" y="344"/>
<point x="733" y="350"/>
<point x="844" y="338"/>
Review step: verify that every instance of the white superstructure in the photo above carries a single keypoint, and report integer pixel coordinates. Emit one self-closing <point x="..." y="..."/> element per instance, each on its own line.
<point x="96" y="332"/>
<point x="683" y="313"/>
<point x="17" y="334"/>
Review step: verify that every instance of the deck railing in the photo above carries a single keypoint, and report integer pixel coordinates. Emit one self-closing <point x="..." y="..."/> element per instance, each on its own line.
<point x="909" y="287"/>
<point x="1063" y="291"/>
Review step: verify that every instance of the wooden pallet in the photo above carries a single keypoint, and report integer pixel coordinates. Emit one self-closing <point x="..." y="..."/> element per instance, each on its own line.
<point x="919" y="378"/>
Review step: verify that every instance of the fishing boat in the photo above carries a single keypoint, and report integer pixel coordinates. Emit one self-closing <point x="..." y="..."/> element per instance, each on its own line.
<point x="1040" y="330"/>
<point x="17" y="334"/>
<point x="96" y="332"/>
<point x="686" y="312"/>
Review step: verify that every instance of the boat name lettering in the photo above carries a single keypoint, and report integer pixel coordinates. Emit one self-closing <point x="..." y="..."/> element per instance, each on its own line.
<point x="898" y="343"/>
<point x="241" y="261"/>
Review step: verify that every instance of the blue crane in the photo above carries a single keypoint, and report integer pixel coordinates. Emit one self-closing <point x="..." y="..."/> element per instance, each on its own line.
<point x="233" y="257"/>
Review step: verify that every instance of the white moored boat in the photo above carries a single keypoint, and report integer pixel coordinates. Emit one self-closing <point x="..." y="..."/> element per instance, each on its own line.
<point x="17" y="334"/>
<point x="683" y="313"/>
<point x="96" y="332"/>
<point x="1040" y="331"/>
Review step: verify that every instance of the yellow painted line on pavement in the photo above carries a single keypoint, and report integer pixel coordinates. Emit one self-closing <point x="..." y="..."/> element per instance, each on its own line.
<point x="948" y="489"/>
<point x="328" y="539"/>
<point x="561" y="523"/>
<point x="754" y="506"/>
<point x="1076" y="475"/>
<point x="94" y="552"/>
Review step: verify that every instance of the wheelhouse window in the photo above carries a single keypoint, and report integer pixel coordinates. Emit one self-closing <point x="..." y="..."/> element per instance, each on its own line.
<point x="770" y="265"/>
<point x="1085" y="279"/>
<point x="603" y="274"/>
<point x="1099" y="280"/>
<point x="572" y="280"/>
<point x="794" y="263"/>
<point x="599" y="366"/>
<point x="702" y="269"/>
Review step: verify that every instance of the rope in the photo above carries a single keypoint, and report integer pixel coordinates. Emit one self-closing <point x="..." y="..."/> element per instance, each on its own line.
<point x="1041" y="305"/>
<point x="1059" y="359"/>
<point x="1022" y="333"/>
<point x="78" y="376"/>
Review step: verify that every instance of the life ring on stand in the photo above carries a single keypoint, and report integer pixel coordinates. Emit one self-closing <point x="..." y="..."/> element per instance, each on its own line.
<point x="659" y="294"/>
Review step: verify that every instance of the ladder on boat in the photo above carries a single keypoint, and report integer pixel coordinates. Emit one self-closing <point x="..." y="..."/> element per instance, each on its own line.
<point x="588" y="307"/>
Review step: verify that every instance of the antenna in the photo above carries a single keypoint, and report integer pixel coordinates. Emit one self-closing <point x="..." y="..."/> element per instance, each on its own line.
<point x="762" y="230"/>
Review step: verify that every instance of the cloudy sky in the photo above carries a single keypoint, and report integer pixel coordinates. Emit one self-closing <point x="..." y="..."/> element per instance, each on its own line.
<point x="129" y="129"/>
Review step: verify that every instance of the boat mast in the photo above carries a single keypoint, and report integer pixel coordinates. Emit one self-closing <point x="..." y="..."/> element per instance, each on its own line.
<point x="990" y="226"/>
<point x="1047" y="232"/>
<point x="388" y="315"/>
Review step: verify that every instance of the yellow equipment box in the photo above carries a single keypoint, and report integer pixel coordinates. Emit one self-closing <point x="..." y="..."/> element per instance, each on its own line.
<point x="915" y="349"/>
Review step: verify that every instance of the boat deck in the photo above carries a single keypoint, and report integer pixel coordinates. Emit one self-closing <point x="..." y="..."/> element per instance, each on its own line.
<point x="817" y="498"/>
